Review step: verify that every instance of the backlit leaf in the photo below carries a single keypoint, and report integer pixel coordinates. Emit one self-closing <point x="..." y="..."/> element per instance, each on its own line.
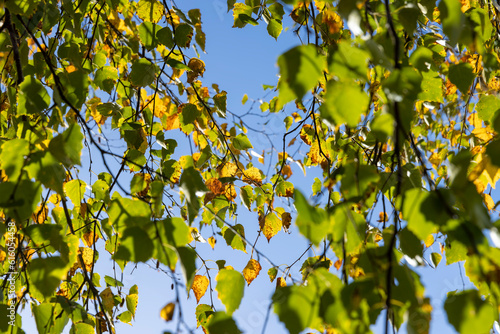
<point x="251" y="270"/>
<point x="200" y="285"/>
<point x="230" y="287"/>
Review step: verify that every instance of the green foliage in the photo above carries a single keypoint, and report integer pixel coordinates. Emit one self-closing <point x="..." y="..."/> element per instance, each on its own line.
<point x="110" y="136"/>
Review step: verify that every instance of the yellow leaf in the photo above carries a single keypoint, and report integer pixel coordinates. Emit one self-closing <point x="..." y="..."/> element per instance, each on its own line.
<point x="338" y="264"/>
<point x="167" y="312"/>
<point x="200" y="285"/>
<point x="490" y="204"/>
<point x="40" y="215"/>
<point x="251" y="270"/>
<point x="107" y="299"/>
<point x="252" y="175"/>
<point x="3" y="255"/>
<point x="172" y="122"/>
<point x="270" y="225"/>
<point x="332" y="20"/>
<point x="150" y="10"/>
<point x="88" y="257"/>
<point x="89" y="238"/>
<point x="280" y="282"/>
<point x="229" y="192"/>
<point x="429" y="240"/>
<point x="228" y="169"/>
<point x="211" y="242"/>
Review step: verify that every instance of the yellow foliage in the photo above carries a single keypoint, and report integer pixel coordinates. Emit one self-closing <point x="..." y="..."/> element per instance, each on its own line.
<point x="251" y="270"/>
<point x="199" y="287"/>
<point x="167" y="312"/>
<point x="252" y="175"/>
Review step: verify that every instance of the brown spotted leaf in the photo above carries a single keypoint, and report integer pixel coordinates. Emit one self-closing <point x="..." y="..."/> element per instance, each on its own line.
<point x="251" y="270"/>
<point x="200" y="285"/>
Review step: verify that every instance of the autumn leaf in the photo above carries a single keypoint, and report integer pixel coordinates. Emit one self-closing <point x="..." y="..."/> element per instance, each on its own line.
<point x="199" y="287"/>
<point x="211" y="242"/>
<point x="227" y="169"/>
<point x="280" y="283"/>
<point x="252" y="175"/>
<point x="167" y="312"/>
<point x="251" y="270"/>
<point x="270" y="225"/>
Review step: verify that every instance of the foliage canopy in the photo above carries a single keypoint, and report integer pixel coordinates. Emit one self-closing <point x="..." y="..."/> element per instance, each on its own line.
<point x="394" y="102"/>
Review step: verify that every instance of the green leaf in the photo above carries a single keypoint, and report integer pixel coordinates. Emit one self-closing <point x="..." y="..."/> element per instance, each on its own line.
<point x="230" y="287"/>
<point x="183" y="35"/>
<point x="349" y="225"/>
<point x="246" y="194"/>
<point x="165" y="37"/>
<point x="241" y="142"/>
<point x="125" y="317"/>
<point x="345" y="102"/>
<point x="191" y="183"/>
<point x="431" y="87"/>
<point x="105" y="78"/>
<point x="47" y="273"/>
<point x="274" y="28"/>
<point x="174" y="63"/>
<point x="487" y="107"/>
<point x="20" y="199"/>
<point x="423" y="211"/>
<point x="143" y="73"/>
<point x="221" y="322"/>
<point x="234" y="240"/>
<point x="421" y="59"/>
<point x="348" y="61"/>
<point x="22" y="7"/>
<point x="75" y="190"/>
<point x="272" y="272"/>
<point x="300" y="70"/>
<point x="134" y="245"/>
<point x="67" y="146"/>
<point x="408" y="17"/>
<point x="44" y="167"/>
<point x="359" y="181"/>
<point x="436" y="258"/>
<point x="147" y="34"/>
<point x="284" y="189"/>
<point x="462" y="75"/>
<point x="296" y="306"/>
<point x="12" y="157"/>
<point x="242" y="14"/>
<point x="33" y="97"/>
<point x="174" y="231"/>
<point x="316" y="186"/>
<point x="468" y="312"/>
<point x="125" y="212"/>
<point x="220" y="101"/>
<point x="410" y="244"/>
<point x="135" y="160"/>
<point x="313" y="223"/>
<point x="382" y="126"/>
<point x="110" y="281"/>
<point x="75" y="87"/>
<point x="203" y="314"/>
<point x="452" y="18"/>
<point x="138" y="183"/>
<point x="187" y="256"/>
